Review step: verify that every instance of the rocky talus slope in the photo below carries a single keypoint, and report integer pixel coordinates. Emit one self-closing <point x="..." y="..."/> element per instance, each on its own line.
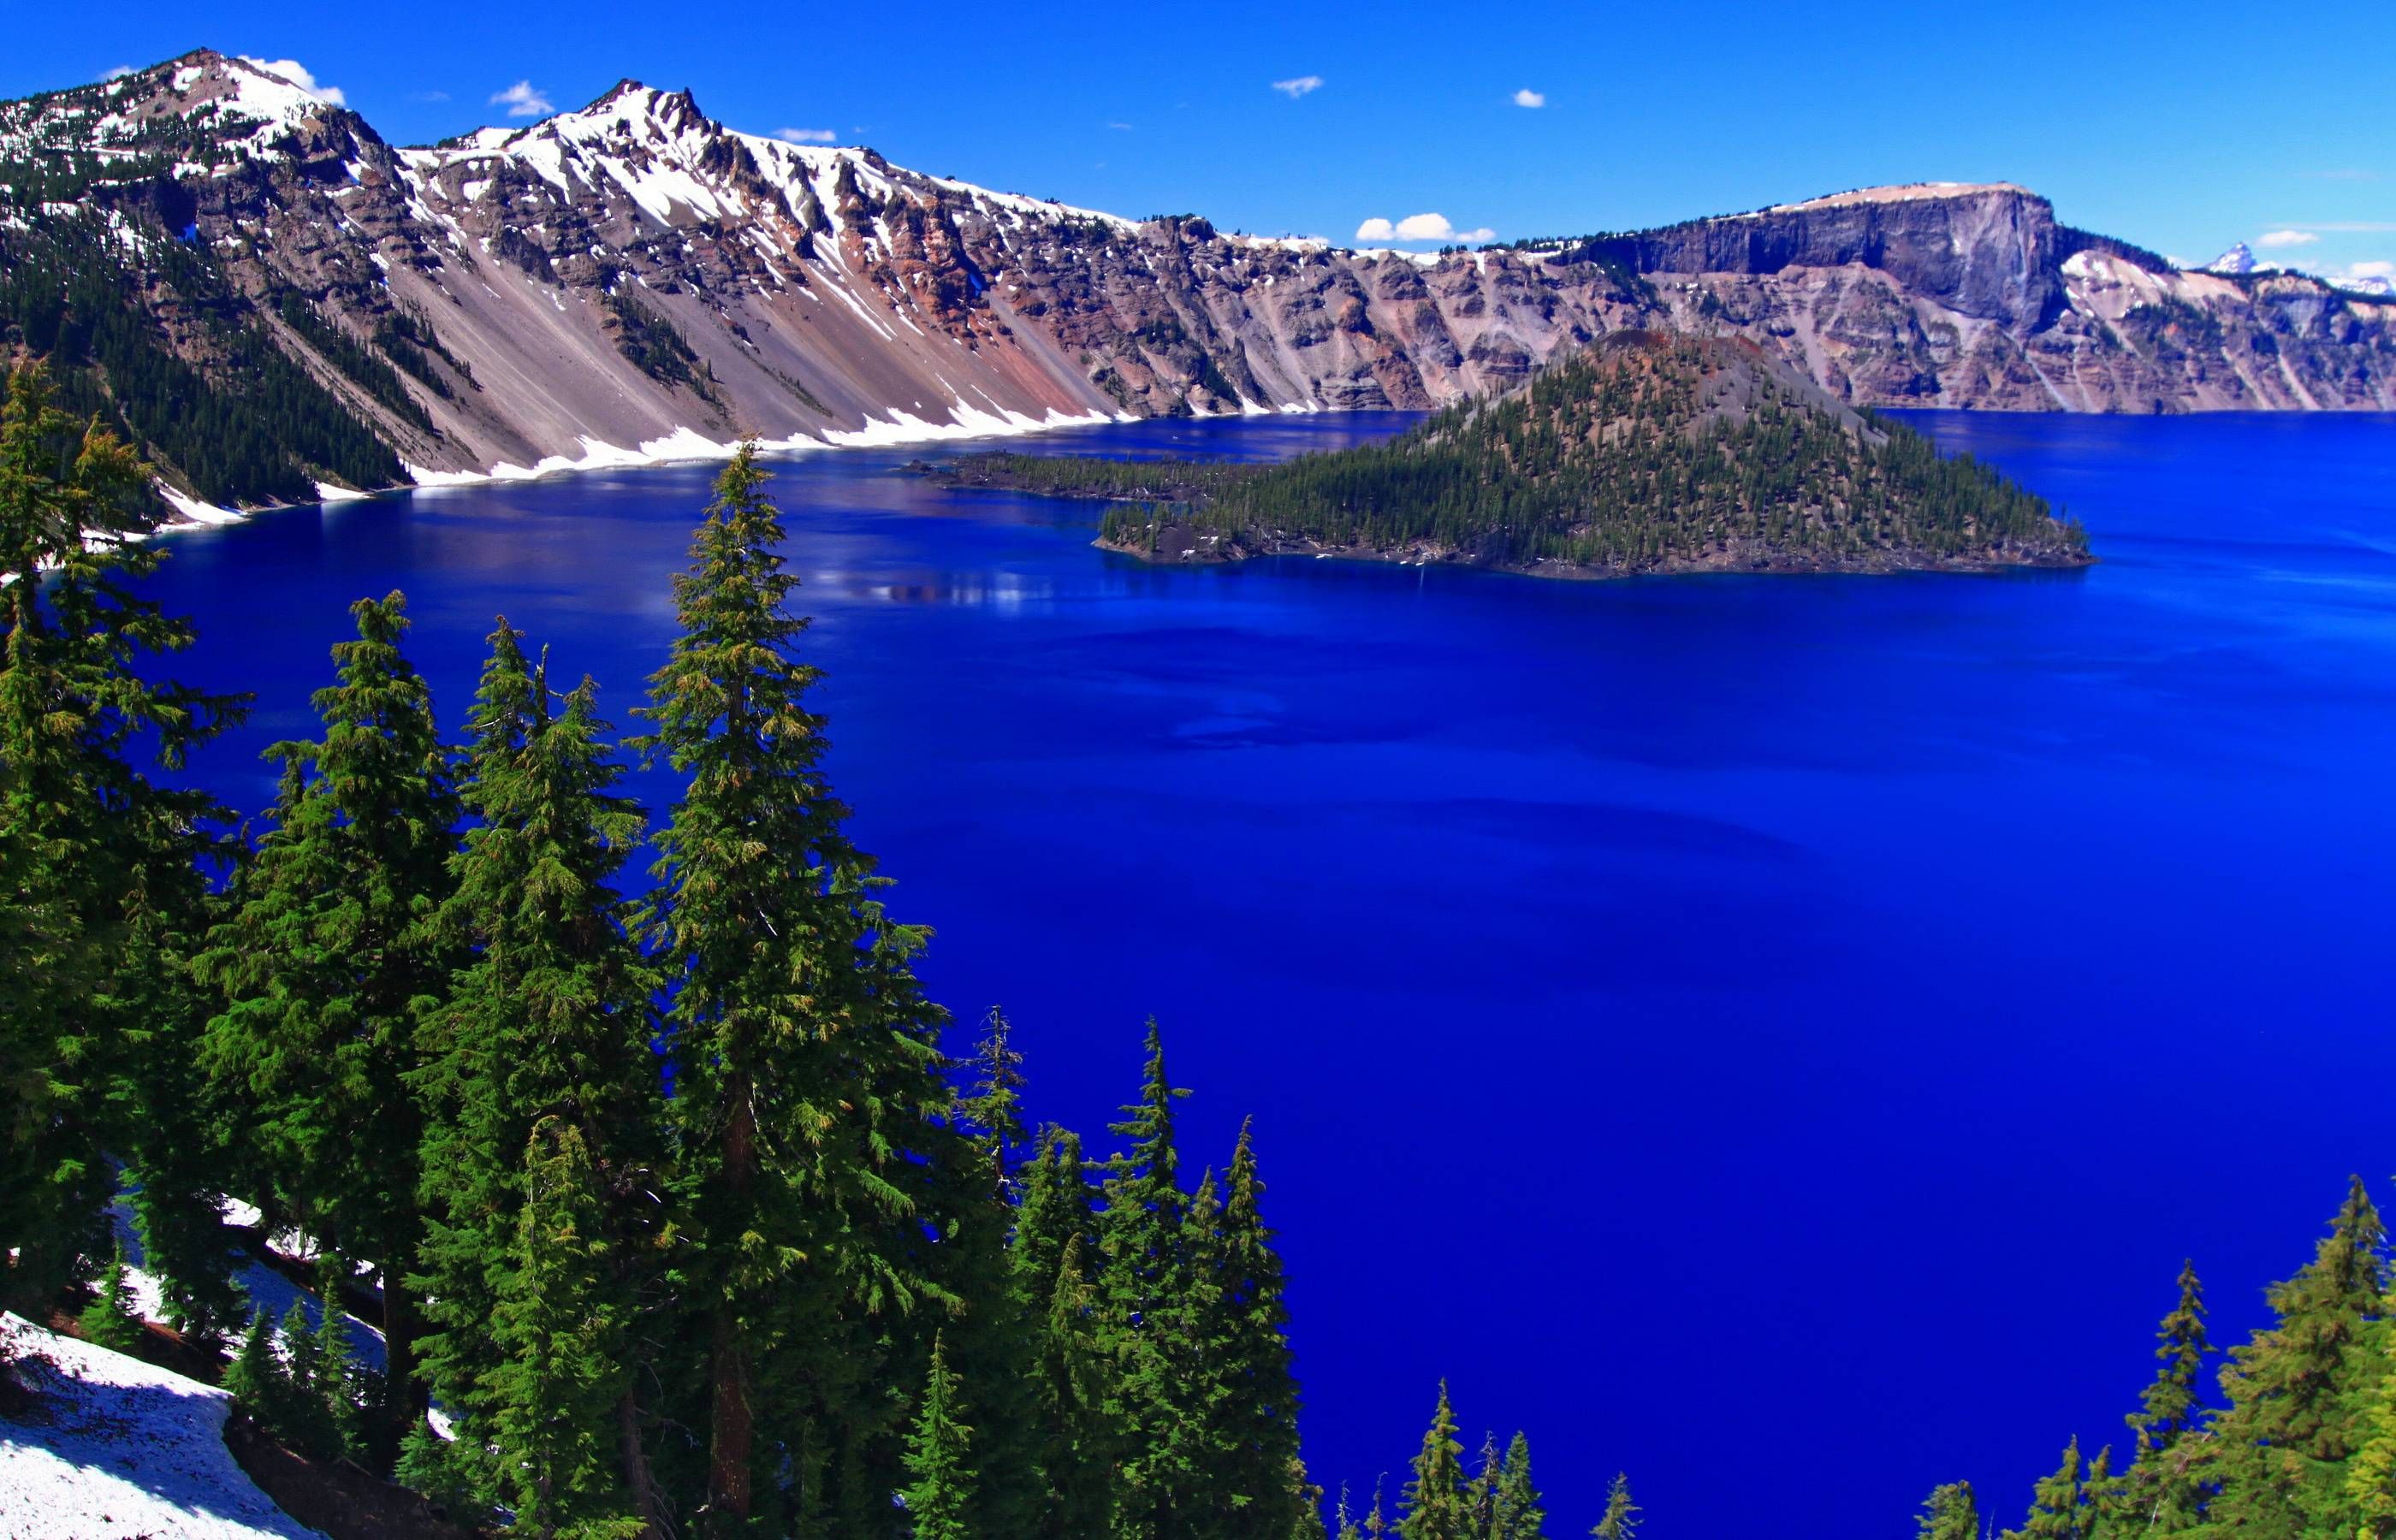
<point x="634" y="278"/>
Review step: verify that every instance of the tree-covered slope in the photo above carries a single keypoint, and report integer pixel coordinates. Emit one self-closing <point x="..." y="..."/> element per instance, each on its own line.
<point x="1644" y="453"/>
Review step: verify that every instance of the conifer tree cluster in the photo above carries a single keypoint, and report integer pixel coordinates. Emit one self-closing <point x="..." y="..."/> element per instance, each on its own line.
<point x="674" y="1206"/>
<point x="1642" y="453"/>
<point x="2301" y="1443"/>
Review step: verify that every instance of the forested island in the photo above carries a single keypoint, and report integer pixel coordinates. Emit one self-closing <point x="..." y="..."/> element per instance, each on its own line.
<point x="1645" y="453"/>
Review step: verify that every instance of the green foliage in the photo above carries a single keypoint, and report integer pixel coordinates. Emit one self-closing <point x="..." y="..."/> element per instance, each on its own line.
<point x="1642" y="452"/>
<point x="1950" y="1512"/>
<point x="101" y="866"/>
<point x="939" y="1494"/>
<point x="1621" y="1520"/>
<point x="353" y="358"/>
<point x="251" y="425"/>
<point x="110" y="1320"/>
<point x="1434" y="1506"/>
<point x="804" y="1054"/>
<point x="1515" y="1507"/>
<point x="325" y="963"/>
<point x="657" y="347"/>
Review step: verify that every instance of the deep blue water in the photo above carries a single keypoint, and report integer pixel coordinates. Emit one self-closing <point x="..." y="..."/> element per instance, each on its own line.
<point x="1775" y="1036"/>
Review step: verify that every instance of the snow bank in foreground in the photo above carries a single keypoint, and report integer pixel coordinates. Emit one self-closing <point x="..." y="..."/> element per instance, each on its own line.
<point x="125" y="1450"/>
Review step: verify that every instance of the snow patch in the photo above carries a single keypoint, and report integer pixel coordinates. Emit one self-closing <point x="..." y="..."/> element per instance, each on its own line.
<point x="128" y="1450"/>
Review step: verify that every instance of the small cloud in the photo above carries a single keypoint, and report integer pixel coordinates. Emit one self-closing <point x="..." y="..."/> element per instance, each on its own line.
<point x="1120" y="128"/>
<point x="2286" y="238"/>
<point x="1298" y="86"/>
<point x="298" y="74"/>
<point x="1421" y="227"/>
<point x="119" y="72"/>
<point x="428" y="96"/>
<point x="1528" y="97"/>
<point x="522" y="100"/>
<point x="806" y="136"/>
<point x="2371" y="270"/>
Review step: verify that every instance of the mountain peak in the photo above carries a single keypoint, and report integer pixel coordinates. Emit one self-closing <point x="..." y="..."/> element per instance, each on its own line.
<point x="2239" y="258"/>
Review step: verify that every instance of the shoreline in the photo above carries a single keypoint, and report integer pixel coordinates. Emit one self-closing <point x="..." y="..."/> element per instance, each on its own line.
<point x="1569" y="572"/>
<point x="685" y="445"/>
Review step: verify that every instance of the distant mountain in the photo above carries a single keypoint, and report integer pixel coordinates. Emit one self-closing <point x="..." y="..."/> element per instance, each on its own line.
<point x="2237" y="261"/>
<point x="278" y="303"/>
<point x="1645" y="453"/>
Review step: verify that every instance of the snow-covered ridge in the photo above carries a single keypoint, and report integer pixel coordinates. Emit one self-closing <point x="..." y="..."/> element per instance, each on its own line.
<point x="126" y="1451"/>
<point x="1902" y="192"/>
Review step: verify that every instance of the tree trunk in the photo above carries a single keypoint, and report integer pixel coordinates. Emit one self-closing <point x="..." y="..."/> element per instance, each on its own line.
<point x="635" y="1462"/>
<point x="733" y="1422"/>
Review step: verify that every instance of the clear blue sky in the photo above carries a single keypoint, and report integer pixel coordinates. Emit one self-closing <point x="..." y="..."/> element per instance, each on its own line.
<point x="2182" y="127"/>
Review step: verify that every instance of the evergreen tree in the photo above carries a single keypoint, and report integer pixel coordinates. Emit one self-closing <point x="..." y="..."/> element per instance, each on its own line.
<point x="1621" y="1518"/>
<point x="326" y="961"/>
<point x="110" y="1320"/>
<point x="992" y="1111"/>
<point x="939" y="1458"/>
<point x="1516" y="1511"/>
<point x="98" y="880"/>
<point x="805" y="1066"/>
<point x="2371" y="1474"/>
<point x="2057" y="1511"/>
<point x="1433" y="1506"/>
<point x="1147" y="1285"/>
<point x="1949" y="1513"/>
<point x="335" y="1373"/>
<point x="256" y="1379"/>
<point x="562" y="1329"/>
<point x="546" y="1019"/>
<point x="2163" y="1489"/>
<point x="1244" y="1355"/>
<point x="1077" y="1438"/>
<point x="1343" y="1523"/>
<point x="2299" y="1391"/>
<point x="1481" y="1490"/>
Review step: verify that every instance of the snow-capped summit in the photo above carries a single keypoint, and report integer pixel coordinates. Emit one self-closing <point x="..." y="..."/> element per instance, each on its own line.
<point x="2239" y="258"/>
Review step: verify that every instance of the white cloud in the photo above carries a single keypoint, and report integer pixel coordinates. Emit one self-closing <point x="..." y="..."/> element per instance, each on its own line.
<point x="1121" y="127"/>
<point x="297" y="73"/>
<point x="2286" y="238"/>
<point x="2371" y="270"/>
<point x="522" y="100"/>
<point x="1298" y="86"/>
<point x="1421" y="227"/>
<point x="806" y="136"/>
<point x="428" y="96"/>
<point x="1528" y="97"/>
<point x="119" y="72"/>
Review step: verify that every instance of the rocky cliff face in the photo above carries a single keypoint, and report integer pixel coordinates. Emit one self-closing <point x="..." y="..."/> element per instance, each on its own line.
<point x="635" y="274"/>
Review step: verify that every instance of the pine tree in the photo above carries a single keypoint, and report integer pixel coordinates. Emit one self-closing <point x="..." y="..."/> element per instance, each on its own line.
<point x="2371" y="1474"/>
<point x="940" y="1455"/>
<point x="2163" y="1490"/>
<point x="993" y="1110"/>
<point x="548" y="1018"/>
<point x="1146" y="1287"/>
<point x="805" y="1057"/>
<point x="1621" y="1520"/>
<point x="1078" y="1441"/>
<point x="1250" y="1395"/>
<point x="1949" y="1513"/>
<point x="2298" y="1391"/>
<point x="1343" y="1523"/>
<point x="98" y="880"/>
<point x="1481" y="1489"/>
<point x="2055" y="1508"/>
<point x="110" y="1320"/>
<point x="324" y="965"/>
<point x="1516" y="1511"/>
<point x="561" y="1328"/>
<point x="1433" y="1506"/>
<point x="1376" y="1525"/>
<point x="254" y="1379"/>
<point x="336" y="1374"/>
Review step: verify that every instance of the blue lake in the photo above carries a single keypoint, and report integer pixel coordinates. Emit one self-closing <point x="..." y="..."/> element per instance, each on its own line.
<point x="1798" y="1022"/>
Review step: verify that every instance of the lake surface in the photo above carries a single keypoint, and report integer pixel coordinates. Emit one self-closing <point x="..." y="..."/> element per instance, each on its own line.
<point x="1777" y="1037"/>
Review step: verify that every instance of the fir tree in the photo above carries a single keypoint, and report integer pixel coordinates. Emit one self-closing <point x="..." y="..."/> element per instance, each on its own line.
<point x="2055" y="1508"/>
<point x="548" y="1019"/>
<point x="324" y="963"/>
<point x="562" y="1329"/>
<point x="110" y="1320"/>
<point x="1078" y="1441"/>
<point x="98" y="882"/>
<point x="805" y="1057"/>
<point x="1621" y="1520"/>
<point x="1481" y="1490"/>
<point x="1516" y="1510"/>
<point x="2298" y="1391"/>
<point x="335" y="1369"/>
<point x="1949" y="1513"/>
<point x="1433" y="1506"/>
<point x="2163" y="1489"/>
<point x="991" y="1112"/>
<point x="1343" y="1523"/>
<point x="1243" y="1354"/>
<point x="940" y="1460"/>
<point x="1147" y="1288"/>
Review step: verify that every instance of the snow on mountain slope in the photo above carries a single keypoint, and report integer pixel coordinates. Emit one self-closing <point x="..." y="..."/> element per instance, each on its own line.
<point x="635" y="281"/>
<point x="121" y="1448"/>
